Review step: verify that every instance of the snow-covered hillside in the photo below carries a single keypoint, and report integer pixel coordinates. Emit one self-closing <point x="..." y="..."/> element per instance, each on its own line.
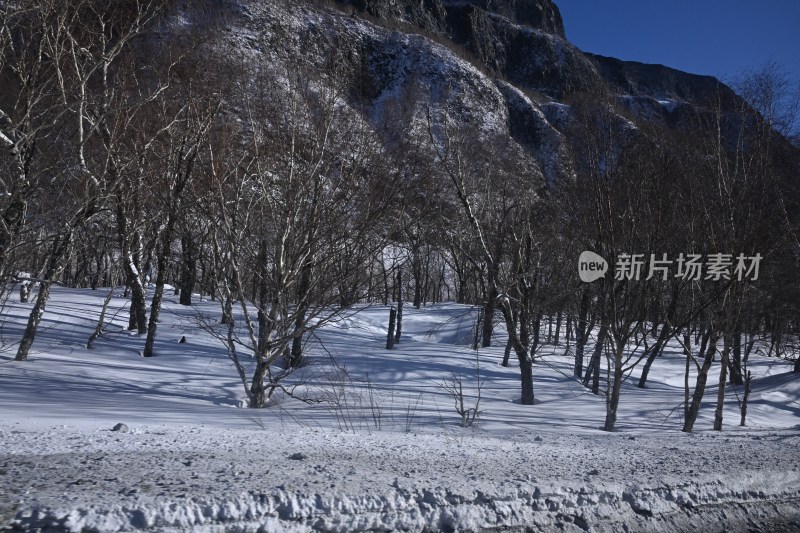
<point x="383" y="451"/>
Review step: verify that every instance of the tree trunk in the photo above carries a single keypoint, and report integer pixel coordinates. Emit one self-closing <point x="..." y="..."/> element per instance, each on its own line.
<point x="580" y="332"/>
<point x="188" y="268"/>
<point x="655" y="352"/>
<point x="736" y="361"/>
<point x="593" y="370"/>
<point x="524" y="356"/>
<point x="33" y="321"/>
<point x="558" y="329"/>
<point x="568" y="332"/>
<point x="390" y="332"/>
<point x="507" y="352"/>
<point x="526" y="376"/>
<point x="598" y="357"/>
<point x="537" y="328"/>
<point x="745" y="399"/>
<point x="477" y="336"/>
<point x="227" y="311"/>
<point x="258" y="393"/>
<point x="616" y="385"/>
<point x="385" y="282"/>
<point x="687" y="351"/>
<point x="138" y="312"/>
<point x="416" y="269"/>
<point x="751" y="341"/>
<point x="25" y="291"/>
<point x="723" y="379"/>
<point x="296" y="358"/>
<point x="702" y="377"/>
<point x="58" y="256"/>
<point x="265" y="323"/>
<point x="99" y="328"/>
<point x="488" y="318"/>
<point x="162" y="264"/>
<point x="399" y="329"/>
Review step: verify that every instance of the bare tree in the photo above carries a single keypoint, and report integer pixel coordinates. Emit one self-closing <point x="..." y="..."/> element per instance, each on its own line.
<point x="308" y="187"/>
<point x="88" y="41"/>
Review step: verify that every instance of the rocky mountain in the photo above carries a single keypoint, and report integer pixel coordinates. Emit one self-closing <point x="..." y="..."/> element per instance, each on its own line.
<point x="524" y="41"/>
<point x="505" y="66"/>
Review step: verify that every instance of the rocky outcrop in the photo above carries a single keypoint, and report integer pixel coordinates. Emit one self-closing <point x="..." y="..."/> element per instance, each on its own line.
<point x="432" y="15"/>
<point x="523" y="41"/>
<point x="660" y="82"/>
<point x="537" y="14"/>
<point x="519" y="40"/>
<point x="501" y="69"/>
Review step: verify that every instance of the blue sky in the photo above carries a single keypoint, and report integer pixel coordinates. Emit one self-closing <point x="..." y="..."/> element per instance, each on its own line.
<point x="721" y="38"/>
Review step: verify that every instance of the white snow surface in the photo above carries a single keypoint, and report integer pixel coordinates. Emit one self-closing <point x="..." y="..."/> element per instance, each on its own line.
<point x="385" y="452"/>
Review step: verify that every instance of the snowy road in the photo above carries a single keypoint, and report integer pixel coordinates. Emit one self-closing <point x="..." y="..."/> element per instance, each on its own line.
<point x="163" y="478"/>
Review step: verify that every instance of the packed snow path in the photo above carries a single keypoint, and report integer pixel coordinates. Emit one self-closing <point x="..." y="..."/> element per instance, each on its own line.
<point x="207" y="479"/>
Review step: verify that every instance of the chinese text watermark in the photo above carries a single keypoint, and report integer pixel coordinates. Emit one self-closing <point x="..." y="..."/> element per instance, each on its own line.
<point x="692" y="267"/>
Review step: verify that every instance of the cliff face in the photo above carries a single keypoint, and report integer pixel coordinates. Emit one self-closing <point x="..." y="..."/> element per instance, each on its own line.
<point x="524" y="42"/>
<point x="502" y="66"/>
<point x="432" y="15"/>
<point x="519" y="40"/>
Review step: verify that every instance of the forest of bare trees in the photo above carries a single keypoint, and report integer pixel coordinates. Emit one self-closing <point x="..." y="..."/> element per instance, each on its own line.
<point x="139" y="164"/>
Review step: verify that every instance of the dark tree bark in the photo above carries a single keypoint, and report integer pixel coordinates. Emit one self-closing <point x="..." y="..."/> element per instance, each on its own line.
<point x="227" y="311"/>
<point x="654" y="352"/>
<point x="487" y="323"/>
<point x="736" y="370"/>
<point x="745" y="399"/>
<point x="723" y="378"/>
<point x="661" y="341"/>
<point x="296" y="357"/>
<point x="507" y="352"/>
<point x="581" y="332"/>
<point x="163" y="260"/>
<point x="524" y="355"/>
<point x="399" y="330"/>
<point x="158" y="294"/>
<point x="616" y="385"/>
<point x="258" y="392"/>
<point x="390" y="332"/>
<point x="129" y="245"/>
<point x="687" y="351"/>
<point x="416" y="270"/>
<point x="476" y="341"/>
<point x="702" y="378"/>
<point x="557" y="339"/>
<point x="537" y="328"/>
<point x="188" y="268"/>
<point x="24" y="291"/>
<point x="593" y="370"/>
<point x="58" y="256"/>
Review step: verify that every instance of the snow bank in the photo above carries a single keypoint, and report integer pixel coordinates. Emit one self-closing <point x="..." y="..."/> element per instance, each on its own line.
<point x="174" y="479"/>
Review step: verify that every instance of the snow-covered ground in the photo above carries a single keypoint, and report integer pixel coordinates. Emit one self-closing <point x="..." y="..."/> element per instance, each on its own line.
<point x="385" y="452"/>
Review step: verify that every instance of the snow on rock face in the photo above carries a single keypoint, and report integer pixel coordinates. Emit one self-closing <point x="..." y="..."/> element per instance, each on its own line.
<point x="436" y="15"/>
<point x="384" y="68"/>
<point x="170" y="479"/>
<point x="402" y="63"/>
<point x="530" y="125"/>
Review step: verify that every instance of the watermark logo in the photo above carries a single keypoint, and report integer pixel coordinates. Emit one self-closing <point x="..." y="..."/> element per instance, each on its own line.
<point x="591" y="267"/>
<point x="695" y="267"/>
